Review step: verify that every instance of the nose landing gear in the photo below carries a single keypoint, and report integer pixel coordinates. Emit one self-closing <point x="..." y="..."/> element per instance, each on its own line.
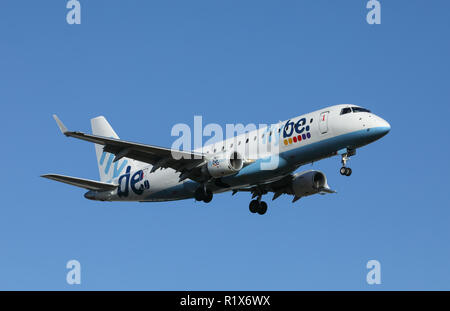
<point x="346" y="171"/>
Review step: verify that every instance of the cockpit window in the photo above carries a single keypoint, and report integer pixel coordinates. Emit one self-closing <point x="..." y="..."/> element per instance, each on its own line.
<point x="359" y="109"/>
<point x="346" y="110"/>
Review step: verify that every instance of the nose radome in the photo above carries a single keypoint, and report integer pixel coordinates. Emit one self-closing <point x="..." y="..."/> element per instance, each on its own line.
<point x="386" y="127"/>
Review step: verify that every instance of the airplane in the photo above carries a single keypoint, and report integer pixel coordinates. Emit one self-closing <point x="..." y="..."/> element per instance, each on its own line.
<point x="137" y="172"/>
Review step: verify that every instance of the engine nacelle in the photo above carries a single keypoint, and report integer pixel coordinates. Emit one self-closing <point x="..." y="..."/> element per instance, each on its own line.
<point x="309" y="182"/>
<point x="225" y="164"/>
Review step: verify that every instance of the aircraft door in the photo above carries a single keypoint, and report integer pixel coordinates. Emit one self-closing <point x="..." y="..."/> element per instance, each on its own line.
<point x="323" y="123"/>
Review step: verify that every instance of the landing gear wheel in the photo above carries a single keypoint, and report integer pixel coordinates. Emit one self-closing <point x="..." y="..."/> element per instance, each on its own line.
<point x="208" y="196"/>
<point x="262" y="208"/>
<point x="343" y="170"/>
<point x="348" y="171"/>
<point x="253" y="206"/>
<point x="199" y="194"/>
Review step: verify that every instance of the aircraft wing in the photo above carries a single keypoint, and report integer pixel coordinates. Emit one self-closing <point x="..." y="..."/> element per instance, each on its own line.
<point x="82" y="183"/>
<point x="159" y="157"/>
<point x="278" y="187"/>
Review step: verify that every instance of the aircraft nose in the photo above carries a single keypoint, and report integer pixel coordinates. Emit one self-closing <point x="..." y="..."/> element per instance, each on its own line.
<point x="379" y="129"/>
<point x="384" y="126"/>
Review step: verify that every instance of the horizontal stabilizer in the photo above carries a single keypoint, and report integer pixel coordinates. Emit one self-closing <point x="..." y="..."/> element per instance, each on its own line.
<point x="82" y="183"/>
<point x="61" y="125"/>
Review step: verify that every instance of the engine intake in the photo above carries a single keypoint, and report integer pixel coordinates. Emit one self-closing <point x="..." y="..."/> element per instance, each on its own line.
<point x="309" y="182"/>
<point x="225" y="164"/>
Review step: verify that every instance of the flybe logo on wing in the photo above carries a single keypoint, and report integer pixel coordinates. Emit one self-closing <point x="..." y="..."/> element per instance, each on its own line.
<point x="116" y="168"/>
<point x="296" y="132"/>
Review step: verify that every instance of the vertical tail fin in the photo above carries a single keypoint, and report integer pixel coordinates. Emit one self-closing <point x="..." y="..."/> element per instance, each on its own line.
<point x="108" y="169"/>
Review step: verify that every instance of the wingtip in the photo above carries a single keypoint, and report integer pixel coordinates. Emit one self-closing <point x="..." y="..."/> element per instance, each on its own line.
<point x="46" y="176"/>
<point x="61" y="125"/>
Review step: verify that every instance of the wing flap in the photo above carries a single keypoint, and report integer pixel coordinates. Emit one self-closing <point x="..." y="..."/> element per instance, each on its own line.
<point x="81" y="182"/>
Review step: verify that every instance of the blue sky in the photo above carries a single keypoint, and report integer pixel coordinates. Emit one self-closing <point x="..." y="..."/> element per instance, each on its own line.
<point x="147" y="65"/>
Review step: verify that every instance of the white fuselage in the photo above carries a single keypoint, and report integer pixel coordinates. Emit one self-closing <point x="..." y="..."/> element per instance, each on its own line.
<point x="293" y="143"/>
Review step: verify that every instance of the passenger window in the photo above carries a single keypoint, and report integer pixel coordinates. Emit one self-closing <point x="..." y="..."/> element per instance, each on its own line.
<point x="246" y="141"/>
<point x="346" y="110"/>
<point x="310" y="121"/>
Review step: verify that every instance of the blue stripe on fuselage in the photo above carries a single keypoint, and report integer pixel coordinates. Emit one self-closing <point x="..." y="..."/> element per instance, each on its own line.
<point x="288" y="160"/>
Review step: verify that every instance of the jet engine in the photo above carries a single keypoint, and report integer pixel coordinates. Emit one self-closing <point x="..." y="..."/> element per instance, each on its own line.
<point x="225" y="164"/>
<point x="309" y="182"/>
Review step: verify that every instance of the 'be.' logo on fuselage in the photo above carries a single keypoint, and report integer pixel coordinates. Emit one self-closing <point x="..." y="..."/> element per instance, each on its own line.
<point x="296" y="132"/>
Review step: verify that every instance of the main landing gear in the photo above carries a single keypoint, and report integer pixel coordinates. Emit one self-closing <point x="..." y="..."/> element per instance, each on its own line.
<point x="346" y="171"/>
<point x="258" y="206"/>
<point x="203" y="194"/>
